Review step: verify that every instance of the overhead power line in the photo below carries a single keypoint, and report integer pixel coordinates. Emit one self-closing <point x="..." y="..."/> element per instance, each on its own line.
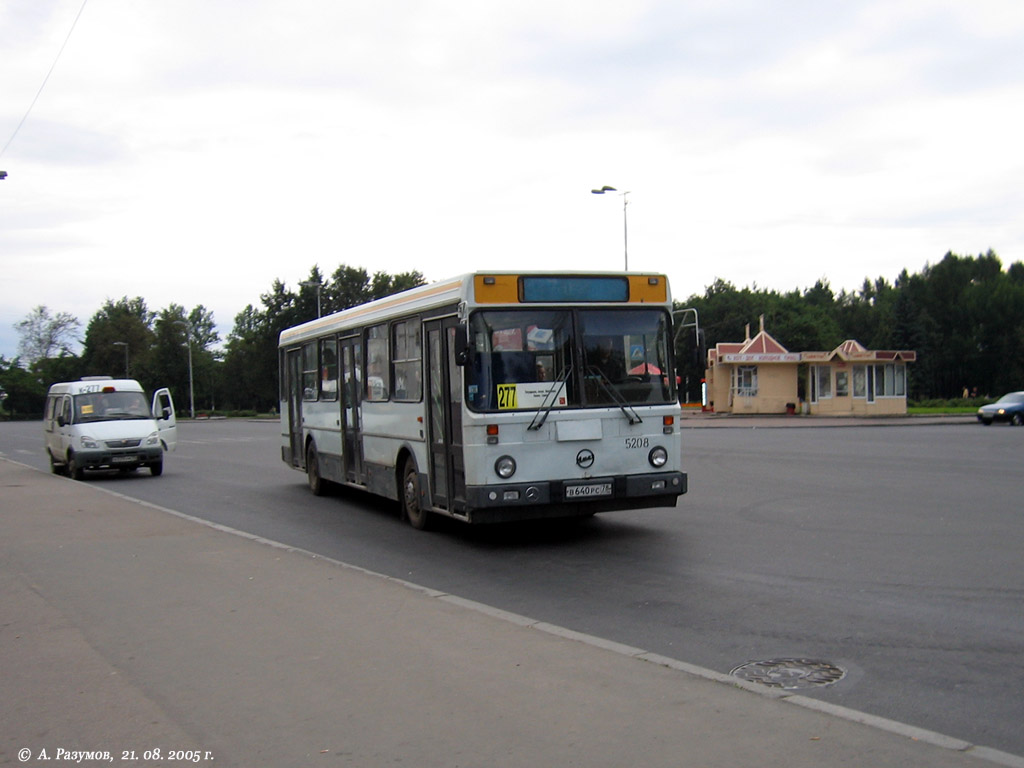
<point x="45" y="79"/>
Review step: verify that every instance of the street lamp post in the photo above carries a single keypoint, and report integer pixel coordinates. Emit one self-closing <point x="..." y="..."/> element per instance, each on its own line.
<point x="125" y="345"/>
<point x="191" y="393"/>
<point x="625" y="224"/>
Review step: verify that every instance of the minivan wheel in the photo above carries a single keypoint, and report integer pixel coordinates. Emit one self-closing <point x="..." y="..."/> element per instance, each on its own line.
<point x="157" y="469"/>
<point x="75" y="471"/>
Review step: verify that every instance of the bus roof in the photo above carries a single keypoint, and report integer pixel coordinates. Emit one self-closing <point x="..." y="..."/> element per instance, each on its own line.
<point x="495" y="288"/>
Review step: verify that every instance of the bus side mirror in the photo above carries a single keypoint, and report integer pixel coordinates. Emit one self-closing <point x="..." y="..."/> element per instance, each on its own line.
<point x="461" y="345"/>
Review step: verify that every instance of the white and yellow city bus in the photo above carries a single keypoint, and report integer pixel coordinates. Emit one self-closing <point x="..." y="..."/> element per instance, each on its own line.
<point x="492" y="396"/>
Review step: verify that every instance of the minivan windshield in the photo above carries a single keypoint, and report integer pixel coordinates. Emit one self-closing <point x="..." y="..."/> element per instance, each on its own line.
<point x="110" y="406"/>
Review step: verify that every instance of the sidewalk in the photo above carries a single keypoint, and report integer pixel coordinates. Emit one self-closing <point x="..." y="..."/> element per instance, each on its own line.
<point x="127" y="629"/>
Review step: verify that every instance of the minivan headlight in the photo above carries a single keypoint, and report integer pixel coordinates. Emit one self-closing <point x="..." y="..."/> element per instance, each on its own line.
<point x="153" y="439"/>
<point x="87" y="442"/>
<point x="505" y="466"/>
<point x="658" y="457"/>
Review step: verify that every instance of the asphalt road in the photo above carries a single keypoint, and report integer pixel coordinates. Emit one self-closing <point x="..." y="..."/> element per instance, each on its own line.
<point x="892" y="552"/>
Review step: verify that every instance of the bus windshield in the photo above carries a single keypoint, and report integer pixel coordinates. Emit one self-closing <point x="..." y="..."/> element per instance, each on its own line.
<point x="527" y="360"/>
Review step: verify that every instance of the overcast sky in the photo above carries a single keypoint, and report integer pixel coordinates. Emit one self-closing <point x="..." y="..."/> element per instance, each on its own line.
<point x="192" y="151"/>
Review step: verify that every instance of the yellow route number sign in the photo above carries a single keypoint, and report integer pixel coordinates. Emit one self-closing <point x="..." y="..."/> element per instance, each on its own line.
<point x="507" y="397"/>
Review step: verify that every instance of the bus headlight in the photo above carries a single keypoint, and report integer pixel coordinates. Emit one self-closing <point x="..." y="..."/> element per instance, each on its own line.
<point x="658" y="457"/>
<point x="505" y="467"/>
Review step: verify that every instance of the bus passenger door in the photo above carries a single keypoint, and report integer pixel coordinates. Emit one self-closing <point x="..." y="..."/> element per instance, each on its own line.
<point x="447" y="469"/>
<point x="351" y="398"/>
<point x="293" y="361"/>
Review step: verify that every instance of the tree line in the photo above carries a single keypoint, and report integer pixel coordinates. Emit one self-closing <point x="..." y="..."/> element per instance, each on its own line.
<point x="126" y="338"/>
<point x="964" y="316"/>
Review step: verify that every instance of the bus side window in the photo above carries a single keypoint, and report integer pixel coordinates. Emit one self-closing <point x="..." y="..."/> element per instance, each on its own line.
<point x="406" y="358"/>
<point x="328" y="369"/>
<point x="310" y="372"/>
<point x="378" y="364"/>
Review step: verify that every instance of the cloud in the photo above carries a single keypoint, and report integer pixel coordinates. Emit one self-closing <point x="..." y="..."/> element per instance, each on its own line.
<point x="192" y="152"/>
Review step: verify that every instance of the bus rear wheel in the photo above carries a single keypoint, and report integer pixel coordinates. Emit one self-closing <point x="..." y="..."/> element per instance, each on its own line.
<point x="412" y="508"/>
<point x="317" y="484"/>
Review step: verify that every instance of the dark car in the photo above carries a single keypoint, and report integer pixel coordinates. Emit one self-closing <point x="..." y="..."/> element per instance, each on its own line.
<point x="1009" y="408"/>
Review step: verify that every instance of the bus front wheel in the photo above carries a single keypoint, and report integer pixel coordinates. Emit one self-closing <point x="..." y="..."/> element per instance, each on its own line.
<point x="412" y="508"/>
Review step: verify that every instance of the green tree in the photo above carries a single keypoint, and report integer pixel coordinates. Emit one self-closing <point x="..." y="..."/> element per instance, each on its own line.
<point x="348" y="287"/>
<point x="207" y="359"/>
<point x="23" y="393"/>
<point x="250" y="362"/>
<point x="384" y="284"/>
<point x="964" y="316"/>
<point x="44" y="335"/>
<point x="61" y="368"/>
<point x="967" y="321"/>
<point x="177" y="336"/>
<point x="352" y="286"/>
<point x="724" y="313"/>
<point x="313" y="296"/>
<point x="121" y="330"/>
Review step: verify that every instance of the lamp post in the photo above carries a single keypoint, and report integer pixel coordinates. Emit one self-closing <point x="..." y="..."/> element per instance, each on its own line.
<point x="318" y="286"/>
<point x="125" y="345"/>
<point x="191" y="393"/>
<point x="625" y="227"/>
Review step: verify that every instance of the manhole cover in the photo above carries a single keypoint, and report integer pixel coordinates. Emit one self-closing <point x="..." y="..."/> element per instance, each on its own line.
<point x="790" y="674"/>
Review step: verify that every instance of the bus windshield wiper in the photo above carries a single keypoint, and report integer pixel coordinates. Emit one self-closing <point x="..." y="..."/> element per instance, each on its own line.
<point x="545" y="408"/>
<point x="606" y="384"/>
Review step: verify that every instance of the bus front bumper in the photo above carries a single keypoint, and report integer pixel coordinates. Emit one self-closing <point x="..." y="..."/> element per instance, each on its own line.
<point x="570" y="498"/>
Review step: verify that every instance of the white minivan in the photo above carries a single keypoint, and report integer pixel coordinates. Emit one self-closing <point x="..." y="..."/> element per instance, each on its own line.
<point x="105" y="423"/>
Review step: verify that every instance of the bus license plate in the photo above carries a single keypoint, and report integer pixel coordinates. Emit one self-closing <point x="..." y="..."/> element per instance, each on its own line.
<point x="588" y="491"/>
